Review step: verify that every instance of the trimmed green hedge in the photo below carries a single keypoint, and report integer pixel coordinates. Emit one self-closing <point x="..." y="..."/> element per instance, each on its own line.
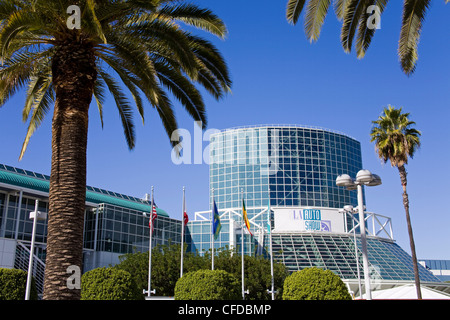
<point x="208" y="285"/>
<point x="109" y="284"/>
<point x="314" y="284"/>
<point x="13" y="283"/>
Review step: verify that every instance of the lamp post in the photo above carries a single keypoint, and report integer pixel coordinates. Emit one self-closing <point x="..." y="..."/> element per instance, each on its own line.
<point x="351" y="210"/>
<point x="35" y="215"/>
<point x="363" y="178"/>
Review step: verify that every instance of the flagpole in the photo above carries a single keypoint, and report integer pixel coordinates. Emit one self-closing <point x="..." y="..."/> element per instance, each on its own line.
<point x="212" y="231"/>
<point x="182" y="233"/>
<point x="269" y="225"/>
<point x="150" y="248"/>
<point x="242" y="245"/>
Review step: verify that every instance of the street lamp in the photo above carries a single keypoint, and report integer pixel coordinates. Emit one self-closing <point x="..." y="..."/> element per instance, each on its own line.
<point x="363" y="178"/>
<point x="35" y="215"/>
<point x="351" y="210"/>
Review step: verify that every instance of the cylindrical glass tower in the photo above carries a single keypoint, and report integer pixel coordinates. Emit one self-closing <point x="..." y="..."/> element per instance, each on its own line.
<point x="290" y="165"/>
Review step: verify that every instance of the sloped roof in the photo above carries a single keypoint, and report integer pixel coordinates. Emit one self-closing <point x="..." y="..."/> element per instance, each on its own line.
<point x="409" y="292"/>
<point x="39" y="182"/>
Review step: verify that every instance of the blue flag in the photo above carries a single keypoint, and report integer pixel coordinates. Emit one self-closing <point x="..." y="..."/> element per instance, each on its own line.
<point x="216" y="226"/>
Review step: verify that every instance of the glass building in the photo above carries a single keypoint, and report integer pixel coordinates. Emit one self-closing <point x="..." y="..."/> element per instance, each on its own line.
<point x="114" y="223"/>
<point x="290" y="165"/>
<point x="287" y="177"/>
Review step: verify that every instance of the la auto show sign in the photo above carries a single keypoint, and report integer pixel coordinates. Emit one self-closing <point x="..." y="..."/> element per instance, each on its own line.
<point x="308" y="220"/>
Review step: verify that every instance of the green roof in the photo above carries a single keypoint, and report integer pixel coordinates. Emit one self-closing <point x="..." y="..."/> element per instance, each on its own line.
<point x="34" y="181"/>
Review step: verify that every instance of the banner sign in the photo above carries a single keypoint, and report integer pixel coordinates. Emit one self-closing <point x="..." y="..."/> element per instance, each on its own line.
<point x="308" y="220"/>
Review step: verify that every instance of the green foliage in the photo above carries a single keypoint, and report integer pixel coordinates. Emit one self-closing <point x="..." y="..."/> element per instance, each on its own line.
<point x="355" y="15"/>
<point x="142" y="54"/>
<point x="166" y="269"/>
<point x="207" y="285"/>
<point x="109" y="284"/>
<point x="395" y="138"/>
<point x="13" y="283"/>
<point x="314" y="284"/>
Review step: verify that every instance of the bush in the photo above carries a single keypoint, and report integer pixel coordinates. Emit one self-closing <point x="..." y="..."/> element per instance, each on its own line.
<point x="207" y="285"/>
<point x="109" y="284"/>
<point x="314" y="284"/>
<point x="13" y="283"/>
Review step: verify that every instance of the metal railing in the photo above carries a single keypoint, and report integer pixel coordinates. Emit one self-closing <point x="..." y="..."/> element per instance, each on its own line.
<point x="21" y="262"/>
<point x="377" y="225"/>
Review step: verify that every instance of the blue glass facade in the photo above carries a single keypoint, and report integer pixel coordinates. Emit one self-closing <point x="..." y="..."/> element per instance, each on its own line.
<point x="290" y="165"/>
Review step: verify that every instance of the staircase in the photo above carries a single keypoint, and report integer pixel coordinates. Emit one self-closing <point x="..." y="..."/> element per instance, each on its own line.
<point x="21" y="262"/>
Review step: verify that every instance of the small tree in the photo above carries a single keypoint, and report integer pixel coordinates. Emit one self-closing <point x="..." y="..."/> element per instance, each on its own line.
<point x="208" y="285"/>
<point x="109" y="284"/>
<point x="314" y="284"/>
<point x="13" y="284"/>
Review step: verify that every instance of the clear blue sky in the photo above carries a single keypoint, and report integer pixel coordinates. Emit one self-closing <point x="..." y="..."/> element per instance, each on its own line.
<point x="279" y="77"/>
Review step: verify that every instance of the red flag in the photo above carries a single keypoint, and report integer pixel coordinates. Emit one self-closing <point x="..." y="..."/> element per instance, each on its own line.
<point x="153" y="216"/>
<point x="186" y="218"/>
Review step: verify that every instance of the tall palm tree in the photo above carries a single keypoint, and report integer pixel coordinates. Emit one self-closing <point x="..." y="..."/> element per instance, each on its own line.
<point x="396" y="140"/>
<point x="354" y="17"/>
<point x="65" y="65"/>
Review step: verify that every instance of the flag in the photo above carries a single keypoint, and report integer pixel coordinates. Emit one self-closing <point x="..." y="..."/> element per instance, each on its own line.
<point x="244" y="214"/>
<point x="269" y="222"/>
<point x="216" y="226"/>
<point x="153" y="217"/>
<point x="185" y="218"/>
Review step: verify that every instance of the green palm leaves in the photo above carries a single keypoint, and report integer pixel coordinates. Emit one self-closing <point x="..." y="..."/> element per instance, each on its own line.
<point x="395" y="139"/>
<point x="143" y="55"/>
<point x="354" y="15"/>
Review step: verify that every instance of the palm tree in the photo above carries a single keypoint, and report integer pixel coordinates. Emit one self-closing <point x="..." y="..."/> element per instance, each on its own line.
<point x="137" y="43"/>
<point x="396" y="141"/>
<point x="354" y="15"/>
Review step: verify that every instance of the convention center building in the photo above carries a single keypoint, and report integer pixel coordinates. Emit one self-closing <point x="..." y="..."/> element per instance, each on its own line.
<point x="287" y="175"/>
<point x="114" y="223"/>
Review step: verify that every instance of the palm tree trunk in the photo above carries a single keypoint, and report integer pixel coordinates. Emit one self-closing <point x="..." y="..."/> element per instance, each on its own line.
<point x="74" y="75"/>
<point x="402" y="172"/>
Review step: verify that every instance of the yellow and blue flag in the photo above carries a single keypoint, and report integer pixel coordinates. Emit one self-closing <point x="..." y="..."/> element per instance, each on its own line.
<point x="244" y="214"/>
<point x="216" y="226"/>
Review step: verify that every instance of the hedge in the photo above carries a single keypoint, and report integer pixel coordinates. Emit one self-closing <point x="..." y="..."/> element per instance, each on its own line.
<point x="13" y="283"/>
<point x="208" y="285"/>
<point x="109" y="284"/>
<point x="314" y="284"/>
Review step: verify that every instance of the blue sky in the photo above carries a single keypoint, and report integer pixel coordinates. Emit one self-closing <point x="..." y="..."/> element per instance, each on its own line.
<point x="280" y="78"/>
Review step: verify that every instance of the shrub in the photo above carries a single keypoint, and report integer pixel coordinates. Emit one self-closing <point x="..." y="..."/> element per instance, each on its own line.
<point x="314" y="284"/>
<point x="13" y="283"/>
<point x="207" y="285"/>
<point x="109" y="284"/>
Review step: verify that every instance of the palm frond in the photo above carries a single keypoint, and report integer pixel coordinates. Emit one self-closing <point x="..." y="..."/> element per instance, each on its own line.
<point x="365" y="34"/>
<point x="339" y="8"/>
<point x="99" y="96"/>
<point x="414" y="12"/>
<point x="17" y="71"/>
<point x="316" y="11"/>
<point x="43" y="98"/>
<point x="183" y="90"/>
<point x="194" y="16"/>
<point x="123" y="106"/>
<point x="293" y="10"/>
<point x="209" y="58"/>
<point x="92" y="21"/>
<point x="354" y="11"/>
